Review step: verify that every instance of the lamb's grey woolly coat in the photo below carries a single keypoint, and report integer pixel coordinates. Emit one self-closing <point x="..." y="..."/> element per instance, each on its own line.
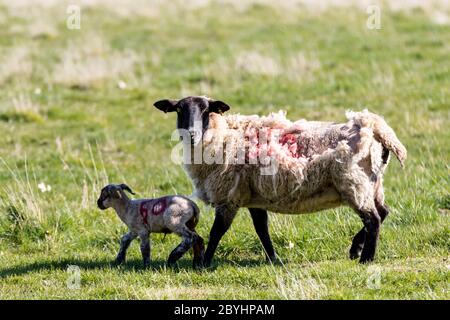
<point x="339" y="164"/>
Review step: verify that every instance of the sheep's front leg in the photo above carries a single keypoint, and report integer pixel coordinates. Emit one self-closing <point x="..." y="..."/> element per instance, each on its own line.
<point x="145" y="249"/>
<point x="224" y="217"/>
<point x="124" y="244"/>
<point x="261" y="224"/>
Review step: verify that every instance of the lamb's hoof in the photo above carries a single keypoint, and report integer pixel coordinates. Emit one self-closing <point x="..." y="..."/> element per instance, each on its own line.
<point x="146" y="264"/>
<point x="198" y="265"/>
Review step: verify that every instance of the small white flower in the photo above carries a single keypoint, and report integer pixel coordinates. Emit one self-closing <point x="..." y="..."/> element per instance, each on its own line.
<point x="44" y="187"/>
<point x="290" y="245"/>
<point x="37" y="91"/>
<point x="122" y="85"/>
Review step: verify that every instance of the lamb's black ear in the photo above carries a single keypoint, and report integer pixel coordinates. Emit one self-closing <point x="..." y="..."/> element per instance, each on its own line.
<point x="218" y="106"/>
<point x="166" y="105"/>
<point x="114" y="192"/>
<point x="123" y="186"/>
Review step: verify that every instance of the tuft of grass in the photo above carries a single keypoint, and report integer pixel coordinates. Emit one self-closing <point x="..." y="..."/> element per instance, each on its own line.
<point x="21" y="109"/>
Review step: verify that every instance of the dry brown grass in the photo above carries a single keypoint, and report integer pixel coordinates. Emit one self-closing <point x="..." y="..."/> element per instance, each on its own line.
<point x="85" y="64"/>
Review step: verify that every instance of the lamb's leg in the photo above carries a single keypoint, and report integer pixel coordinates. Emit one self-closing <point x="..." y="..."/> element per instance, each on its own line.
<point x="260" y="222"/>
<point x="199" y="252"/>
<point x="224" y="217"/>
<point x="188" y="240"/>
<point x="360" y="237"/>
<point x="145" y="249"/>
<point x="124" y="244"/>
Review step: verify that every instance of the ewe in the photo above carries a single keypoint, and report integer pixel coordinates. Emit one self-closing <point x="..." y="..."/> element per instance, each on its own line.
<point x="300" y="167"/>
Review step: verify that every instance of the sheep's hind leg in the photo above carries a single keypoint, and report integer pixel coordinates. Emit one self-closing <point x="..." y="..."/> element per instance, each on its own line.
<point x="360" y="237"/>
<point x="224" y="217"/>
<point x="189" y="238"/>
<point x="260" y="222"/>
<point x="372" y="222"/>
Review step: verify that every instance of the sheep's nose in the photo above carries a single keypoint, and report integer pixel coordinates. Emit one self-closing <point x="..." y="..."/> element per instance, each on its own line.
<point x="100" y="204"/>
<point x="192" y="132"/>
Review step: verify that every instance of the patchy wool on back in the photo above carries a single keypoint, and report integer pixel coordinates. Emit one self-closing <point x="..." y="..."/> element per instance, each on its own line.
<point x="290" y="166"/>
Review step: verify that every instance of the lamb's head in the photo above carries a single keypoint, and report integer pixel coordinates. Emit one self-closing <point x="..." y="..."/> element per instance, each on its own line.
<point x="192" y="114"/>
<point x="112" y="193"/>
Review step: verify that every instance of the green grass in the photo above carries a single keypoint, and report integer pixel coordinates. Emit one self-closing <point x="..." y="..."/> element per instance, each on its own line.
<point x="76" y="133"/>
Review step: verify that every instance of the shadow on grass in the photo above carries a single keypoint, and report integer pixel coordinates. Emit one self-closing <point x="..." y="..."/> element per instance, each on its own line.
<point x="131" y="265"/>
<point x="240" y="263"/>
<point x="49" y="265"/>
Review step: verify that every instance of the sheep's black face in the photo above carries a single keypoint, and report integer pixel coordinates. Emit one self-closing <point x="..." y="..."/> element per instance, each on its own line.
<point x="192" y="114"/>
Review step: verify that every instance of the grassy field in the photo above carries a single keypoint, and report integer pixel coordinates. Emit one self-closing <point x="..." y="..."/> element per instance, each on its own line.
<point x="76" y="113"/>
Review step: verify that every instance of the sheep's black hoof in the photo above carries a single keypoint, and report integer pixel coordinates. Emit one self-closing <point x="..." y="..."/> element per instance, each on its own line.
<point x="206" y="263"/>
<point x="146" y="264"/>
<point x="171" y="263"/>
<point x="273" y="260"/>
<point x="366" y="260"/>
<point x="355" y="254"/>
<point x="117" y="262"/>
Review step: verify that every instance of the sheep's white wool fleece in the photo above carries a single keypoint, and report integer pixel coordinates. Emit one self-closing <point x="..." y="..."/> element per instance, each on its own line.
<point x="317" y="165"/>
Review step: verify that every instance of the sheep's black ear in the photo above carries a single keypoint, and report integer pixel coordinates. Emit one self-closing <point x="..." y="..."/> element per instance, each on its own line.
<point x="218" y="106"/>
<point x="166" y="105"/>
<point x="123" y="186"/>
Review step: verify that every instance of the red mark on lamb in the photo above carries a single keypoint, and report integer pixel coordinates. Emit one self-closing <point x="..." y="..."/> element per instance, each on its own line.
<point x="159" y="207"/>
<point x="154" y="207"/>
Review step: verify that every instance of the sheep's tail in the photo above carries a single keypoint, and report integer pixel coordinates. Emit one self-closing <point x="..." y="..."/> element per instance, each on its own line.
<point x="382" y="133"/>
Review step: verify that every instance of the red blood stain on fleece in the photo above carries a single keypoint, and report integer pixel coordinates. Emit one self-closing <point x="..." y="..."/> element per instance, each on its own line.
<point x="289" y="143"/>
<point x="154" y="207"/>
<point x="265" y="142"/>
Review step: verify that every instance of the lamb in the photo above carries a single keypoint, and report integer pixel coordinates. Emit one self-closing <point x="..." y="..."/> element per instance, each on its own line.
<point x="168" y="214"/>
<point x="318" y="165"/>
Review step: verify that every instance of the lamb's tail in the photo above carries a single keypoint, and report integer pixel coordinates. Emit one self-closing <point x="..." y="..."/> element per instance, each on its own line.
<point x="192" y="223"/>
<point x="382" y="132"/>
